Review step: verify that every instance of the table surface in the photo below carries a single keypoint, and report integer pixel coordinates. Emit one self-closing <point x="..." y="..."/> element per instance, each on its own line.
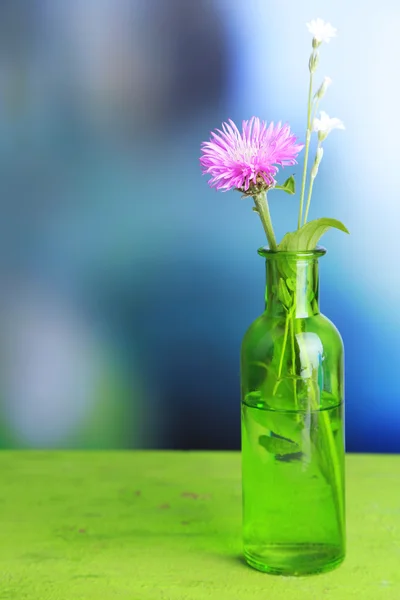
<point x="166" y="526"/>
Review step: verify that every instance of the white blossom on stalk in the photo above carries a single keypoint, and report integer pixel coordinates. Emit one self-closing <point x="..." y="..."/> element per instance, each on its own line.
<point x="321" y="31"/>
<point x="325" y="124"/>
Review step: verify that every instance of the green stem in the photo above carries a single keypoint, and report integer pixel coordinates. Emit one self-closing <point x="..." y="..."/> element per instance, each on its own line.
<point x="326" y="435"/>
<point x="312" y="179"/>
<point x="293" y="356"/>
<point x="314" y="113"/>
<point x="308" y="137"/>
<point x="309" y="199"/>
<point x="289" y="326"/>
<point x="261" y="202"/>
<point x="285" y="337"/>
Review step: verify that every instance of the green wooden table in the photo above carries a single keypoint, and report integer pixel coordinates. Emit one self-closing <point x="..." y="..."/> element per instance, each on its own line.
<point x="166" y="526"/>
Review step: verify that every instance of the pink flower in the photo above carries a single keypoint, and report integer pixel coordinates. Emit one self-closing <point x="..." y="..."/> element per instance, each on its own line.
<point x="248" y="159"/>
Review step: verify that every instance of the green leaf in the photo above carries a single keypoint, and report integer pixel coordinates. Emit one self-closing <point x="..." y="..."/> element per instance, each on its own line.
<point x="278" y="423"/>
<point x="307" y="237"/>
<point x="278" y="445"/>
<point x="283" y="294"/>
<point x="287" y="241"/>
<point x="289" y="186"/>
<point x="288" y="270"/>
<point x="291" y="283"/>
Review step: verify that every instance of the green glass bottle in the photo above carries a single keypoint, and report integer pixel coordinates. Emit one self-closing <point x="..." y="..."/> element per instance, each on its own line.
<point x="292" y="383"/>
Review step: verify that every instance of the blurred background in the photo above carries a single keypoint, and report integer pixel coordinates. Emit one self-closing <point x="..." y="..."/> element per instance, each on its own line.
<point x="126" y="283"/>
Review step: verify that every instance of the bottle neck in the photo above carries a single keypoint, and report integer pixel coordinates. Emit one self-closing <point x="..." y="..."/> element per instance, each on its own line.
<point x="292" y="285"/>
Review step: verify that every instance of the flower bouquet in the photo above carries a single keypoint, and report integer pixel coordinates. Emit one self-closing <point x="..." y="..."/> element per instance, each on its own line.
<point x="292" y="371"/>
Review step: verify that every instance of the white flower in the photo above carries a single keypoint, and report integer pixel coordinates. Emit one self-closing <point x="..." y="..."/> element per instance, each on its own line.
<point x="325" y="124"/>
<point x="321" y="31"/>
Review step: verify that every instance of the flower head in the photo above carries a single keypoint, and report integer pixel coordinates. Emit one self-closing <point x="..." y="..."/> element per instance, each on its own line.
<point x="321" y="31"/>
<point x="325" y="124"/>
<point x="248" y="160"/>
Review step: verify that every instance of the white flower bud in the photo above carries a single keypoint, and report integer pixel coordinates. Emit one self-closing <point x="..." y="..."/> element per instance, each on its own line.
<point x="317" y="161"/>
<point x="313" y="62"/>
<point x="322" y="88"/>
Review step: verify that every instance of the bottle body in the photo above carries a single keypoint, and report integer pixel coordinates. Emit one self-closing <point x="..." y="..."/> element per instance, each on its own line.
<point x="292" y="427"/>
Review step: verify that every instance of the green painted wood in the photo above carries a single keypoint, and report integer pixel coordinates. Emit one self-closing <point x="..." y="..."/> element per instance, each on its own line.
<point x="166" y="526"/>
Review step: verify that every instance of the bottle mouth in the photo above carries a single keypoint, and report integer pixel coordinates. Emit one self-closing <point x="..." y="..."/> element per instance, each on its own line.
<point x="316" y="253"/>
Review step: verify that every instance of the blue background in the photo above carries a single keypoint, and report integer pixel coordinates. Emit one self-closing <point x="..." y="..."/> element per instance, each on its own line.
<point x="126" y="283"/>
